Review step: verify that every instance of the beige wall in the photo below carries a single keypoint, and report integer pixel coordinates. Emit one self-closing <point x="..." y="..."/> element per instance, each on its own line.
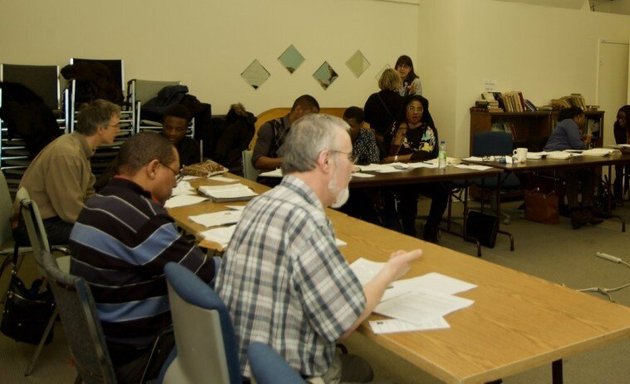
<point x="207" y="44"/>
<point x="542" y="51"/>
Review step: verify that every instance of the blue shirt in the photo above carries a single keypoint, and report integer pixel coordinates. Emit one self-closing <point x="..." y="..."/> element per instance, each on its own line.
<point x="566" y="135"/>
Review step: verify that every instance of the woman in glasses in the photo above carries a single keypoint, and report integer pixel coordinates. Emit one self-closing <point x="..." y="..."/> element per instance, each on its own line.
<point x="416" y="139"/>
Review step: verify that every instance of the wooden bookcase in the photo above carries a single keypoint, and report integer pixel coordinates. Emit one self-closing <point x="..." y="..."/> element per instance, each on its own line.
<point x="529" y="129"/>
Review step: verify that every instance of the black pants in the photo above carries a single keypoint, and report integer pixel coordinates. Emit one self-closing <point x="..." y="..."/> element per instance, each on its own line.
<point x="130" y="362"/>
<point x="57" y="231"/>
<point x="407" y="207"/>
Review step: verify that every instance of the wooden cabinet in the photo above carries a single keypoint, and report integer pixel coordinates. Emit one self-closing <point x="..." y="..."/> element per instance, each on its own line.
<point x="530" y="129"/>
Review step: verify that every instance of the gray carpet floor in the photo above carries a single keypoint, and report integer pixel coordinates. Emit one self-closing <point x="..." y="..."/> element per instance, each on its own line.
<point x="553" y="252"/>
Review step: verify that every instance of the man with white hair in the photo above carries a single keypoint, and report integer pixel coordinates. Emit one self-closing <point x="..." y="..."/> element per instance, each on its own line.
<point x="283" y="279"/>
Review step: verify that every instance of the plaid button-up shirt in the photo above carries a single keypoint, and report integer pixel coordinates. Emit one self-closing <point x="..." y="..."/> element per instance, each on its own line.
<point x="285" y="282"/>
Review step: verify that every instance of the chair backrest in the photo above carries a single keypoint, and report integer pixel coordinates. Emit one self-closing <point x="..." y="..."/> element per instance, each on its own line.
<point x="33" y="222"/>
<point x="145" y="90"/>
<point x="268" y="367"/>
<point x="492" y="143"/>
<point x="80" y="322"/>
<point x="5" y="211"/>
<point x="41" y="79"/>
<point x="204" y="336"/>
<point x="249" y="172"/>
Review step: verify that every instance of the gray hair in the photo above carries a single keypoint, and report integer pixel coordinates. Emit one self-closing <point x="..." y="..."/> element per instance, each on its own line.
<point x="308" y="137"/>
<point x="94" y="115"/>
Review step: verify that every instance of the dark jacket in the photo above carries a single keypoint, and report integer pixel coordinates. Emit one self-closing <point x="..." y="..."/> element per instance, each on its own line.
<point x="27" y="117"/>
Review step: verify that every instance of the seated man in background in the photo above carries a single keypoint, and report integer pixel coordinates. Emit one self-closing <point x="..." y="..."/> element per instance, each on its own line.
<point x="60" y="178"/>
<point x="271" y="135"/>
<point x="283" y="279"/>
<point x="567" y="135"/>
<point x="120" y="244"/>
<point x="174" y="127"/>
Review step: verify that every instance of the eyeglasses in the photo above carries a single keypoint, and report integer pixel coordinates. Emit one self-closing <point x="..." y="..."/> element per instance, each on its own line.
<point x="178" y="175"/>
<point x="351" y="157"/>
<point x="415" y="109"/>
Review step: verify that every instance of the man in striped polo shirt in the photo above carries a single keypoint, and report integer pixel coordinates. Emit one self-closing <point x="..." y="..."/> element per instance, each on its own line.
<point x="120" y="244"/>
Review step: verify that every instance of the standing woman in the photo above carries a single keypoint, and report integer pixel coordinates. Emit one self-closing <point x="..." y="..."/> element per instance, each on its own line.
<point x="417" y="140"/>
<point x="622" y="136"/>
<point x="383" y="108"/>
<point x="411" y="84"/>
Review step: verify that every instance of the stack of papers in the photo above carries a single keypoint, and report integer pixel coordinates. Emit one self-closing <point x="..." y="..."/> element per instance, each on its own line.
<point x="231" y="192"/>
<point x="217" y="218"/>
<point x="415" y="304"/>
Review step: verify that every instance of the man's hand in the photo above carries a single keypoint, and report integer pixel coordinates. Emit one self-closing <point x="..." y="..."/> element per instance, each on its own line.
<point x="399" y="262"/>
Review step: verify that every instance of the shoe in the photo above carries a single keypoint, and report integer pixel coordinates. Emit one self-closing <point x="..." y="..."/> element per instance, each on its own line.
<point x="590" y="218"/>
<point x="578" y="218"/>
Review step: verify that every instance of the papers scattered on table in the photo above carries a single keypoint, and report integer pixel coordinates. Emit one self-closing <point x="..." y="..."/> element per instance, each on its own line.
<point x="274" y="173"/>
<point x="181" y="200"/>
<point x="415" y="304"/>
<point x="231" y="192"/>
<point x="217" y="218"/>
<point x="421" y="306"/>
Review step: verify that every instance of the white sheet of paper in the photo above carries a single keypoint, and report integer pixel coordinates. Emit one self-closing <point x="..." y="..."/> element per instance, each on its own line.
<point x="217" y="218"/>
<point x="396" y="326"/>
<point x="274" y="173"/>
<point x="437" y="282"/>
<point x="473" y="158"/>
<point x="421" y="164"/>
<point x="432" y="281"/>
<point x="183" y="188"/>
<point x="221" y="235"/>
<point x="365" y="269"/>
<point x="473" y="166"/>
<point x="222" y="179"/>
<point x="340" y="243"/>
<point x="361" y="174"/>
<point x="181" y="200"/>
<point x="419" y="306"/>
<point x="229" y="191"/>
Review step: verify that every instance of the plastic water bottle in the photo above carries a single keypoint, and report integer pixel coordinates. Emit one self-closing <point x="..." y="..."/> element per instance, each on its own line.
<point x="442" y="155"/>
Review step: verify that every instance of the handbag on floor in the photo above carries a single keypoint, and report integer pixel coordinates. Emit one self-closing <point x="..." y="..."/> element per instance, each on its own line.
<point x="27" y="311"/>
<point x="482" y="227"/>
<point x="542" y="207"/>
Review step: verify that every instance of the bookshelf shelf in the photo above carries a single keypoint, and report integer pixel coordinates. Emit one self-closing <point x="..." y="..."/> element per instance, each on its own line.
<point x="529" y="129"/>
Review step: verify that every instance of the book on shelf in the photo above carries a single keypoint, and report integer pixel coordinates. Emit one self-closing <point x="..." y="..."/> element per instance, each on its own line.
<point x="529" y="106"/>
